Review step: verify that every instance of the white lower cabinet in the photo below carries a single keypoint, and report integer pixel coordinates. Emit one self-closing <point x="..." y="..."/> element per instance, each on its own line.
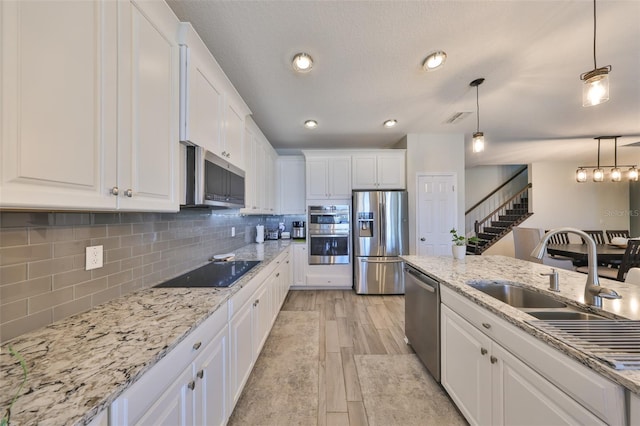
<point x="300" y="263"/>
<point x="188" y="384"/>
<point x="499" y="375"/>
<point x="200" y="380"/>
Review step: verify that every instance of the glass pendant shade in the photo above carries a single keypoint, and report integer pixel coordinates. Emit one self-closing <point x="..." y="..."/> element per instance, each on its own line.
<point x="633" y="174"/>
<point x="581" y="175"/>
<point x="598" y="175"/>
<point x="616" y="175"/>
<point x="478" y="142"/>
<point x="595" y="90"/>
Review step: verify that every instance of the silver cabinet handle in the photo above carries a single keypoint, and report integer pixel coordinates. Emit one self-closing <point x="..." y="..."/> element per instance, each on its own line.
<point x="486" y="325"/>
<point x="493" y="359"/>
<point x="128" y="193"/>
<point x="197" y="345"/>
<point x="200" y="374"/>
<point x="191" y="385"/>
<point x="483" y="351"/>
<point x="114" y="190"/>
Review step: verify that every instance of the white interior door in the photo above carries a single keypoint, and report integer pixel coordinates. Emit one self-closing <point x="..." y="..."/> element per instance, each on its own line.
<point x="436" y="215"/>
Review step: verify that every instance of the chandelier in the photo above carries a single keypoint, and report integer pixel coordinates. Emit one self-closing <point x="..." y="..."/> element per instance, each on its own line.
<point x="598" y="170"/>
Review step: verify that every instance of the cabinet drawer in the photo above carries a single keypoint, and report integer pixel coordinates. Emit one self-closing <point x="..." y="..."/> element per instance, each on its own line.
<point x="599" y="395"/>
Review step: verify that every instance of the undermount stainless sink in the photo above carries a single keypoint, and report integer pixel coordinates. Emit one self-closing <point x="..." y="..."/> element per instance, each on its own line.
<point x="565" y="315"/>
<point x="538" y="305"/>
<point x="513" y="295"/>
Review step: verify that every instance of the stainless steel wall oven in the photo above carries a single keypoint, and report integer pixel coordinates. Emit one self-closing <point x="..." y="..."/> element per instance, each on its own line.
<point x="329" y="234"/>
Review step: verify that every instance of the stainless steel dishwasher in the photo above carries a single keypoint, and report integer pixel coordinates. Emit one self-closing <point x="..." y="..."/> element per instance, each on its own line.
<point x="422" y="318"/>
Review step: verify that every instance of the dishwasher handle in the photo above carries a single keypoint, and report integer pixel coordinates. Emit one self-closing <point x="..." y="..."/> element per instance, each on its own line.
<point x="424" y="281"/>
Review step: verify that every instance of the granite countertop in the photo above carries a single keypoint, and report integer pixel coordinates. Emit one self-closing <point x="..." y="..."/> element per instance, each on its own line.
<point x="455" y="273"/>
<point x="80" y="365"/>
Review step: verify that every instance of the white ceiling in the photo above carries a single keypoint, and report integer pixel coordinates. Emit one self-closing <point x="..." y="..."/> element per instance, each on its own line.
<point x="368" y="57"/>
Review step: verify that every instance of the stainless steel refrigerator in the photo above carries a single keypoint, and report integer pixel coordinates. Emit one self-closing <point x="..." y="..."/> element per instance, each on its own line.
<point x="380" y="235"/>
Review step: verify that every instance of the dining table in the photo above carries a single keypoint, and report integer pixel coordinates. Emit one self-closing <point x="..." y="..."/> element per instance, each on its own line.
<point x="608" y="253"/>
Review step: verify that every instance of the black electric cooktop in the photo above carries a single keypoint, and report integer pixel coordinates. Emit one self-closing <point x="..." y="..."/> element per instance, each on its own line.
<point x="215" y="274"/>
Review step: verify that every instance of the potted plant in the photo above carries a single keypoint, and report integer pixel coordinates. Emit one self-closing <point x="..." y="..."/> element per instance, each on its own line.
<point x="459" y="248"/>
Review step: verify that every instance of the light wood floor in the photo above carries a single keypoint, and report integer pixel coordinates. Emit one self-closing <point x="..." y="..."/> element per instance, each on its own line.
<point x="350" y="325"/>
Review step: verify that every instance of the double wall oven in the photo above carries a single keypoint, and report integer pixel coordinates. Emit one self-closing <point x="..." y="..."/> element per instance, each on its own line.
<point x="329" y="234"/>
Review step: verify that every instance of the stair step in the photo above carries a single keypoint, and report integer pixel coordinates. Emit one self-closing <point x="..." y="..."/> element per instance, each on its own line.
<point x="509" y="218"/>
<point x="494" y="229"/>
<point x="487" y="236"/>
<point x="500" y="224"/>
<point x="516" y="212"/>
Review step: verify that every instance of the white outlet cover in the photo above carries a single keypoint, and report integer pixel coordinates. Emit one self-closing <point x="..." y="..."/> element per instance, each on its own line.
<point x="93" y="257"/>
<point x="233" y="231"/>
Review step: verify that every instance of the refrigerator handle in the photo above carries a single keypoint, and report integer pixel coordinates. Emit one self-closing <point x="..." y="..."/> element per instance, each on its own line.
<point x="383" y="225"/>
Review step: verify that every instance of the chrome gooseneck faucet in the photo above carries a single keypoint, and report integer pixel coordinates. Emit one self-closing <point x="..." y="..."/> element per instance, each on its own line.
<point x="593" y="293"/>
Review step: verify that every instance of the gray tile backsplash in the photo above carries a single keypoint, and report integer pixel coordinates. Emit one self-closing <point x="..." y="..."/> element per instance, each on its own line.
<point x="42" y="276"/>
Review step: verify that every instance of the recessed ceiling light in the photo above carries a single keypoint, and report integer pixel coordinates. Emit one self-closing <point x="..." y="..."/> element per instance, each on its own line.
<point x="434" y="60"/>
<point x="311" y="124"/>
<point x="390" y="123"/>
<point x="302" y="62"/>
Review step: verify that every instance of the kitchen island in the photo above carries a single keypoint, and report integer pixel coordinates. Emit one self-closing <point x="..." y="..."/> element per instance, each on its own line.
<point x="506" y="334"/>
<point x="79" y="366"/>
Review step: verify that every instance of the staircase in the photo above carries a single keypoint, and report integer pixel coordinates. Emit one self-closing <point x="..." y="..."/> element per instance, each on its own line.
<point x="508" y="206"/>
<point x="500" y="222"/>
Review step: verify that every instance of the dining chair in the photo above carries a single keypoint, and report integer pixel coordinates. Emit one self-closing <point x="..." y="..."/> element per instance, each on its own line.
<point x="526" y="239"/>
<point x="633" y="276"/>
<point x="630" y="259"/>
<point x="598" y="237"/>
<point x="559" y="238"/>
<point x="617" y="234"/>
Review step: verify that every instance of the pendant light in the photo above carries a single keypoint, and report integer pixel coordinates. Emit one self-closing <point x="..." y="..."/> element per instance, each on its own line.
<point x="596" y="82"/>
<point x="598" y="170"/>
<point x="477" y="142"/>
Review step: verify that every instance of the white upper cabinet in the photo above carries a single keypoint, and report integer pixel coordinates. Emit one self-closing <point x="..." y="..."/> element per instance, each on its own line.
<point x="382" y="169"/>
<point x="328" y="176"/>
<point x="291" y="184"/>
<point x="148" y="77"/>
<point x="212" y="113"/>
<point x="58" y="104"/>
<point x="89" y="111"/>
<point x="259" y="178"/>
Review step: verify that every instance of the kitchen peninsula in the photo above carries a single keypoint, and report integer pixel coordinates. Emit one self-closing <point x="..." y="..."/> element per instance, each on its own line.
<point x="517" y="353"/>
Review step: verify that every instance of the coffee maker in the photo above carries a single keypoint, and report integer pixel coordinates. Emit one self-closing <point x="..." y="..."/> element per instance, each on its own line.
<point x="298" y="229"/>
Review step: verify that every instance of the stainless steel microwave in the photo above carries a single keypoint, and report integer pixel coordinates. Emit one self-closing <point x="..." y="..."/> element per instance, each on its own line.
<point x="210" y="181"/>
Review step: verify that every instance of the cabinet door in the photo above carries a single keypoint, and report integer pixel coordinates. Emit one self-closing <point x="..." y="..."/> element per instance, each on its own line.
<point x="391" y="170"/>
<point x="175" y="406"/>
<point x="58" y="103"/>
<point x="522" y="396"/>
<point x="205" y="98"/>
<point x="233" y="136"/>
<point x="364" y="171"/>
<point x="317" y="179"/>
<point x="212" y="381"/>
<point x="263" y="314"/>
<point x="148" y="82"/>
<point x="250" y="172"/>
<point x="261" y="175"/>
<point x="241" y="349"/>
<point x="300" y="261"/>
<point x="339" y="173"/>
<point x="291" y="185"/>
<point x="466" y="367"/>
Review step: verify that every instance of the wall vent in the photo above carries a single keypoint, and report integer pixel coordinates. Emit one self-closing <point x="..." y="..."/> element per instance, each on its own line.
<point x="457" y="117"/>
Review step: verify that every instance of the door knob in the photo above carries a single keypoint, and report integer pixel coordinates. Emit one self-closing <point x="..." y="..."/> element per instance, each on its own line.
<point x="423" y="239"/>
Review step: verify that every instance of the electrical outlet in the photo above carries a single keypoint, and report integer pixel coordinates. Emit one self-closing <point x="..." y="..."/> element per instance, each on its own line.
<point x="233" y="231"/>
<point x="93" y="258"/>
